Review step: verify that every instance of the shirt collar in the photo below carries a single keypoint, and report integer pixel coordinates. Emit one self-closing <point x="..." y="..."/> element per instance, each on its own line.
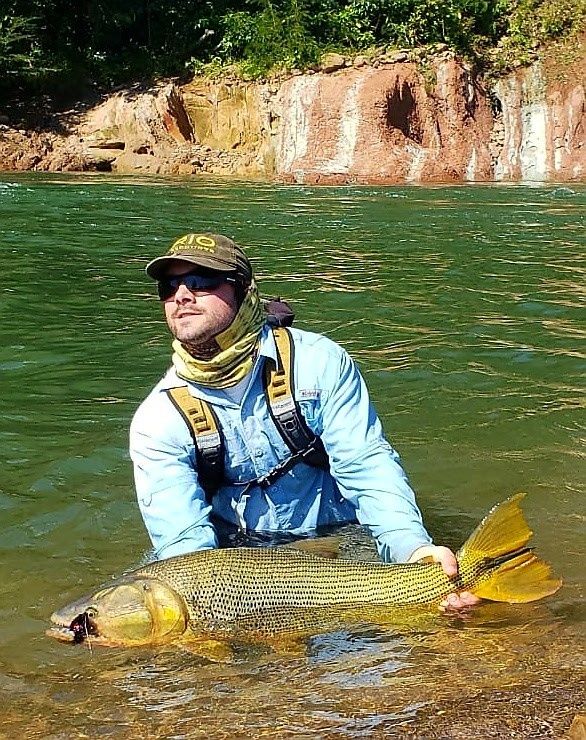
<point x="268" y="346"/>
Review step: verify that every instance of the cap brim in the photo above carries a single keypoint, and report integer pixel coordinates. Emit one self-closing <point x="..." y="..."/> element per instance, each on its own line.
<point x="157" y="268"/>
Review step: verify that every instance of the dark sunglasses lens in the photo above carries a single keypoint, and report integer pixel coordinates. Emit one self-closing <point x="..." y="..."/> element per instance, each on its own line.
<point x="199" y="282"/>
<point x="168" y="287"/>
<point x="165" y="290"/>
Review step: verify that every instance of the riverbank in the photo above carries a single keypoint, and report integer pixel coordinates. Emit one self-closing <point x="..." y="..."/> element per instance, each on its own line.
<point x="403" y="117"/>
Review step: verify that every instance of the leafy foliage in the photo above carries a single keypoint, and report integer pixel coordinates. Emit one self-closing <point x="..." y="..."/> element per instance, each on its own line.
<point x="534" y="22"/>
<point x="47" y="43"/>
<point x="276" y="35"/>
<point x="17" y="45"/>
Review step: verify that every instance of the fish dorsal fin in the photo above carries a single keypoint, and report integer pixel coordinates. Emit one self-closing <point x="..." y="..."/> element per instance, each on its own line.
<point x="321" y="547"/>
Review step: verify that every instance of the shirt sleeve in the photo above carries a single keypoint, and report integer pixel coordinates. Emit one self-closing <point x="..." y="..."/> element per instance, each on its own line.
<point x="171" y="501"/>
<point x="365" y="467"/>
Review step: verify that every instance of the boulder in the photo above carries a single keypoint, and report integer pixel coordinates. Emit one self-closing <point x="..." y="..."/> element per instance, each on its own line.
<point x="332" y="62"/>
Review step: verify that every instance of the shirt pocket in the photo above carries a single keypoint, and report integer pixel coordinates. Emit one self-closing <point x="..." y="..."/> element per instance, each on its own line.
<point x="236" y="451"/>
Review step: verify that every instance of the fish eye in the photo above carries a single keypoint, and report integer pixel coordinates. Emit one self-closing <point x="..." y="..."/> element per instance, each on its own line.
<point x="91" y="612"/>
<point x="146" y="587"/>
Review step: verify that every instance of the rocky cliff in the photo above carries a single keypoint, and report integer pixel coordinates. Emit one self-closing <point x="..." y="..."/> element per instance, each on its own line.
<point x="393" y="121"/>
<point x="385" y="125"/>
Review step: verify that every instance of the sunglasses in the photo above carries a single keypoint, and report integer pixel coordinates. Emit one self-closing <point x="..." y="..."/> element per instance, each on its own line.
<point x="193" y="281"/>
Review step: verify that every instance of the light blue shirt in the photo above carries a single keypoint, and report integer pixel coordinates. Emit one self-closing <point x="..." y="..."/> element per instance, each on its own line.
<point x="366" y="482"/>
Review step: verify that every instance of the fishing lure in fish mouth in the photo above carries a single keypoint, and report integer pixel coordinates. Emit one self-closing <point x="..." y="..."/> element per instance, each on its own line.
<point x="82" y="627"/>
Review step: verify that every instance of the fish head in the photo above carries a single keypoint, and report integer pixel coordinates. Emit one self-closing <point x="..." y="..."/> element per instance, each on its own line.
<point x="132" y="611"/>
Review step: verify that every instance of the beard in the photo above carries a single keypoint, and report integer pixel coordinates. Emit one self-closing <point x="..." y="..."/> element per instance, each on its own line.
<point x="196" y="330"/>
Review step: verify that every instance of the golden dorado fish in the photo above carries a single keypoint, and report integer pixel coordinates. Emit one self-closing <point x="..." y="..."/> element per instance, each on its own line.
<point x="260" y="593"/>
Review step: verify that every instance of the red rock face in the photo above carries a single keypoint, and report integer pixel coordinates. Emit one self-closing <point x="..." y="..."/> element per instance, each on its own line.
<point x="385" y="125"/>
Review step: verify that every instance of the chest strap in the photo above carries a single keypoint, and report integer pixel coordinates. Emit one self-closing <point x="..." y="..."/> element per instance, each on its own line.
<point x="203" y="424"/>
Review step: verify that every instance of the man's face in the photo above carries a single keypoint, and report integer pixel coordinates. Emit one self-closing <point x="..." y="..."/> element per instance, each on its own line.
<point x="195" y="317"/>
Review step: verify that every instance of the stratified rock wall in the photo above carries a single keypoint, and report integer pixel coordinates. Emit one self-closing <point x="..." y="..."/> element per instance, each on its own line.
<point x="385" y="125"/>
<point x="393" y="121"/>
<point x="542" y="128"/>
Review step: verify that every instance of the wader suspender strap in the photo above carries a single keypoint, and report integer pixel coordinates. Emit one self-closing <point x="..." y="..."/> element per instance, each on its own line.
<point x="284" y="409"/>
<point x="202" y="422"/>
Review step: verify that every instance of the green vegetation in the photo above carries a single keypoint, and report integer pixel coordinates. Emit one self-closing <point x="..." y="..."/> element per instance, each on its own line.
<point x="56" y="45"/>
<point x="533" y="24"/>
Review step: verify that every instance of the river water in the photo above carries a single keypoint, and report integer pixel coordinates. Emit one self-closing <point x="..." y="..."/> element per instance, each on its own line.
<point x="464" y="307"/>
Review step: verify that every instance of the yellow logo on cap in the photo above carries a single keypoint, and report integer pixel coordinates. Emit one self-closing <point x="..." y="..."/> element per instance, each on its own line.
<point x="198" y="242"/>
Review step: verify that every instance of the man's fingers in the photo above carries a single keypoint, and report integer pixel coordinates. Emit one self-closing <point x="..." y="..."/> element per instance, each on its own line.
<point x="455" y="602"/>
<point x="439" y="554"/>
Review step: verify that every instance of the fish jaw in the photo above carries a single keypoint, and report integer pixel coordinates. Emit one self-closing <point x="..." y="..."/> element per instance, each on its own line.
<point x="61" y="633"/>
<point x="73" y="626"/>
<point x="133" y="611"/>
<point x="65" y="620"/>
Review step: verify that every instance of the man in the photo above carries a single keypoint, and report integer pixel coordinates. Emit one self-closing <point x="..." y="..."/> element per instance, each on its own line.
<point x="214" y="452"/>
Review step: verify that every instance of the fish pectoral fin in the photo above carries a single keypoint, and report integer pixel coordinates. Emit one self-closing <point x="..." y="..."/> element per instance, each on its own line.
<point x="215" y="650"/>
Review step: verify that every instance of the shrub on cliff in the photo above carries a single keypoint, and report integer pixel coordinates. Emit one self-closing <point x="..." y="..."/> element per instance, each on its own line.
<point x="292" y="33"/>
<point x="270" y="37"/>
<point x="531" y="24"/>
<point x="271" y="34"/>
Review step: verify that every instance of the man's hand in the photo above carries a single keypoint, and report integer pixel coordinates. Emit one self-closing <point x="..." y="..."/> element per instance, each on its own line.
<point x="446" y="558"/>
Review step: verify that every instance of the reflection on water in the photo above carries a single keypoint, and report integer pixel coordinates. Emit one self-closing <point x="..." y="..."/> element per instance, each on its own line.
<point x="465" y="310"/>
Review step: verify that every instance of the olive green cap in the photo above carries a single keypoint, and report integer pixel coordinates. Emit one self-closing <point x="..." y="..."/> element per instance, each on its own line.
<point x="212" y="251"/>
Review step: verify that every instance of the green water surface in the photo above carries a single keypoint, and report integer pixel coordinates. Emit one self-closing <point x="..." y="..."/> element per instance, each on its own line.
<point x="464" y="307"/>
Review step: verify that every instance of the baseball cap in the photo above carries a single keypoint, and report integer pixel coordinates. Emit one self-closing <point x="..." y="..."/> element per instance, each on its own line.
<point x="211" y="251"/>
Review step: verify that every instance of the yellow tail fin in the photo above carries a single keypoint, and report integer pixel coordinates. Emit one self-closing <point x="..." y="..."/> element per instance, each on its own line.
<point x="519" y="578"/>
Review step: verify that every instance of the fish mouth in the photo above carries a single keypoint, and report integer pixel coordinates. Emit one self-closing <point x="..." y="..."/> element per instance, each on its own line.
<point x="76" y="631"/>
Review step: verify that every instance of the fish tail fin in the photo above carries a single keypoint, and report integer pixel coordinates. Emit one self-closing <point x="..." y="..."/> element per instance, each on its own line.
<point x="498" y="547"/>
<point x="522" y="578"/>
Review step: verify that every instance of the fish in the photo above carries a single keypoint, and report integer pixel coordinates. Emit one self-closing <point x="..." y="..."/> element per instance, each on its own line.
<point x="263" y="594"/>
